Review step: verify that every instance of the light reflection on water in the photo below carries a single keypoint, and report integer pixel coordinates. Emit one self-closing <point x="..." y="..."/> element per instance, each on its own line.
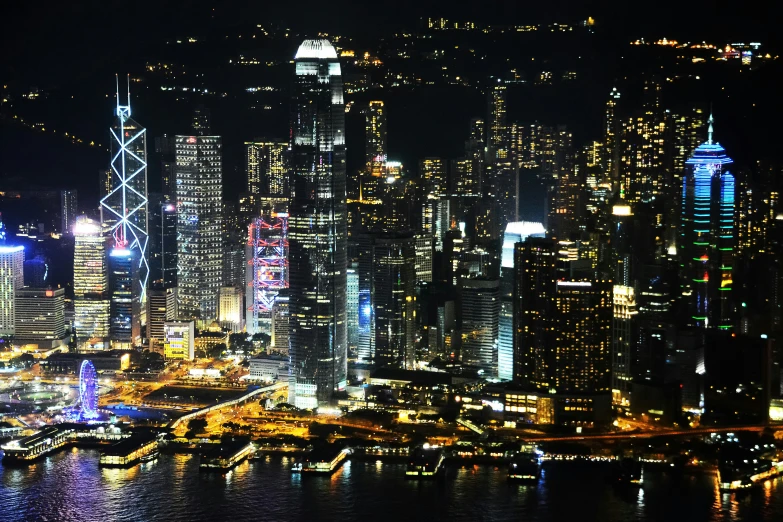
<point x="70" y="486"/>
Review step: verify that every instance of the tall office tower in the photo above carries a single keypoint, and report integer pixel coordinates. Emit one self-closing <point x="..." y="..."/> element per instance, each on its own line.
<point x="424" y="253"/>
<point x="230" y="310"/>
<point x="163" y="243"/>
<point x="642" y="154"/>
<point x="124" y="307"/>
<point x="267" y="269"/>
<point x="68" y="211"/>
<point x="624" y="307"/>
<point x="707" y="237"/>
<point x="611" y="137"/>
<point x="394" y="284"/>
<point x="90" y="281"/>
<point x="317" y="228"/>
<point x="436" y="219"/>
<point x="497" y="143"/>
<point x="375" y="152"/>
<point x="365" y="254"/>
<point x="199" y="174"/>
<point x="124" y="209"/>
<point x="432" y="172"/>
<point x="11" y="280"/>
<point x="480" y="310"/>
<point x="40" y="317"/>
<point x="352" y="311"/>
<point x="566" y="186"/>
<point x="266" y="166"/>
<point x="464" y="179"/>
<point x="515" y="233"/>
<point x="583" y="329"/>
<point x="397" y="208"/>
<point x="166" y="150"/>
<point x="161" y="307"/>
<point x="280" y="323"/>
<point x="621" y="242"/>
<point x="535" y="272"/>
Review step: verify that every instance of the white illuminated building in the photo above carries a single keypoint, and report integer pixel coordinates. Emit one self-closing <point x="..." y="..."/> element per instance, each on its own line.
<point x="516" y="232"/>
<point x="11" y="280"/>
<point x="124" y="209"/>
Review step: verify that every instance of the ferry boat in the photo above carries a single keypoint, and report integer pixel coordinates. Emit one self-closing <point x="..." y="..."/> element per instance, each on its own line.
<point x="425" y="461"/>
<point x="735" y="476"/>
<point x="150" y="456"/>
<point x="325" y="460"/>
<point x="630" y="472"/>
<point x="525" y="465"/>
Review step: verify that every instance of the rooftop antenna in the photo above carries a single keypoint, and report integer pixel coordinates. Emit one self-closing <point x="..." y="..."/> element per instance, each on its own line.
<point x="128" y="82"/>
<point x="123" y="111"/>
<point x="709" y="127"/>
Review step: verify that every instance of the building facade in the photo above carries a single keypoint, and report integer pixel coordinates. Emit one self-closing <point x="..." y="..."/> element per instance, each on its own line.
<point x="40" y="317"/>
<point x="317" y="228"/>
<point x="11" y="280"/>
<point x="90" y="281"/>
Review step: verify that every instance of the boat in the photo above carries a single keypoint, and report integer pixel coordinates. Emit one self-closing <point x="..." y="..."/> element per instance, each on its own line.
<point x="323" y="460"/>
<point x="525" y="465"/>
<point x="734" y="475"/>
<point x="425" y="461"/>
<point x="150" y="457"/>
<point x="630" y="472"/>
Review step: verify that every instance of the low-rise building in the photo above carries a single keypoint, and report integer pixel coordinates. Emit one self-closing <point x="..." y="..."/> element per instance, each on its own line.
<point x="268" y="368"/>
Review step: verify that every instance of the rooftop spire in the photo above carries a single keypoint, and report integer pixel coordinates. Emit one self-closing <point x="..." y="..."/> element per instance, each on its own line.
<point x="710" y="120"/>
<point x="122" y="110"/>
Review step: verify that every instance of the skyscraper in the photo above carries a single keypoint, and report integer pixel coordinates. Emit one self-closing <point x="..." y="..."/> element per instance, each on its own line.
<point x="611" y="135"/>
<point x="267" y="269"/>
<point x="124" y="306"/>
<point x="317" y="228"/>
<point x="624" y="306"/>
<point x="11" y="280"/>
<point x="90" y="281"/>
<point x="163" y="243"/>
<point x="480" y="309"/>
<point x="707" y="238"/>
<point x="394" y="284"/>
<point x="266" y="166"/>
<point x="497" y="129"/>
<point x="375" y="151"/>
<point x="199" y="173"/>
<point x="40" y="317"/>
<point x="124" y="209"/>
<point x="68" y="211"/>
<point x="515" y="233"/>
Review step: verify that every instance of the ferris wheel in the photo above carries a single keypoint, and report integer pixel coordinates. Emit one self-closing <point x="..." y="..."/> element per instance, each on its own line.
<point x="88" y="385"/>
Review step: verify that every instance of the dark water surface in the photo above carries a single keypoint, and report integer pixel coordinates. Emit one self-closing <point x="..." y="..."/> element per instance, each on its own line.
<point x="69" y="486"/>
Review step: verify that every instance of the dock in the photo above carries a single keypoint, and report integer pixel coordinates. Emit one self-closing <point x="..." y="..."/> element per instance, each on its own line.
<point x="325" y="460"/>
<point x="226" y="454"/>
<point x="129" y="452"/>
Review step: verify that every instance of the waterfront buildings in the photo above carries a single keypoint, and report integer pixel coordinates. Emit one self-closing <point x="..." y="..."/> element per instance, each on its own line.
<point x="480" y="310"/>
<point x="11" y="280"/>
<point x="199" y="175"/>
<point x="317" y="228"/>
<point x="267" y="268"/>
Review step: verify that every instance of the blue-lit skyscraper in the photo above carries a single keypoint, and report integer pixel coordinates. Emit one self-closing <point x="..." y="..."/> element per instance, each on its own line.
<point x="124" y="208"/>
<point x="317" y="228"/>
<point x="707" y="235"/>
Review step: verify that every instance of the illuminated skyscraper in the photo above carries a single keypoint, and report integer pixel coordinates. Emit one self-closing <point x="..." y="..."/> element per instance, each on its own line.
<point x="40" y="317"/>
<point x="624" y="306"/>
<point x="480" y="309"/>
<point x="497" y="129"/>
<point x="199" y="173"/>
<point x="124" y="306"/>
<point x="90" y="281"/>
<point x="11" y="280"/>
<point x="267" y="168"/>
<point x="515" y="233"/>
<point x="317" y="228"/>
<point x="394" y="284"/>
<point x="124" y="209"/>
<point x="68" y="211"/>
<point x="432" y="172"/>
<point x="231" y="315"/>
<point x="267" y="269"/>
<point x="611" y="135"/>
<point x="707" y="238"/>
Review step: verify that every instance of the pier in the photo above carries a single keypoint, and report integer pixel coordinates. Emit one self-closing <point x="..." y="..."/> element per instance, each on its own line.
<point x="227" y="454"/>
<point x="130" y="451"/>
